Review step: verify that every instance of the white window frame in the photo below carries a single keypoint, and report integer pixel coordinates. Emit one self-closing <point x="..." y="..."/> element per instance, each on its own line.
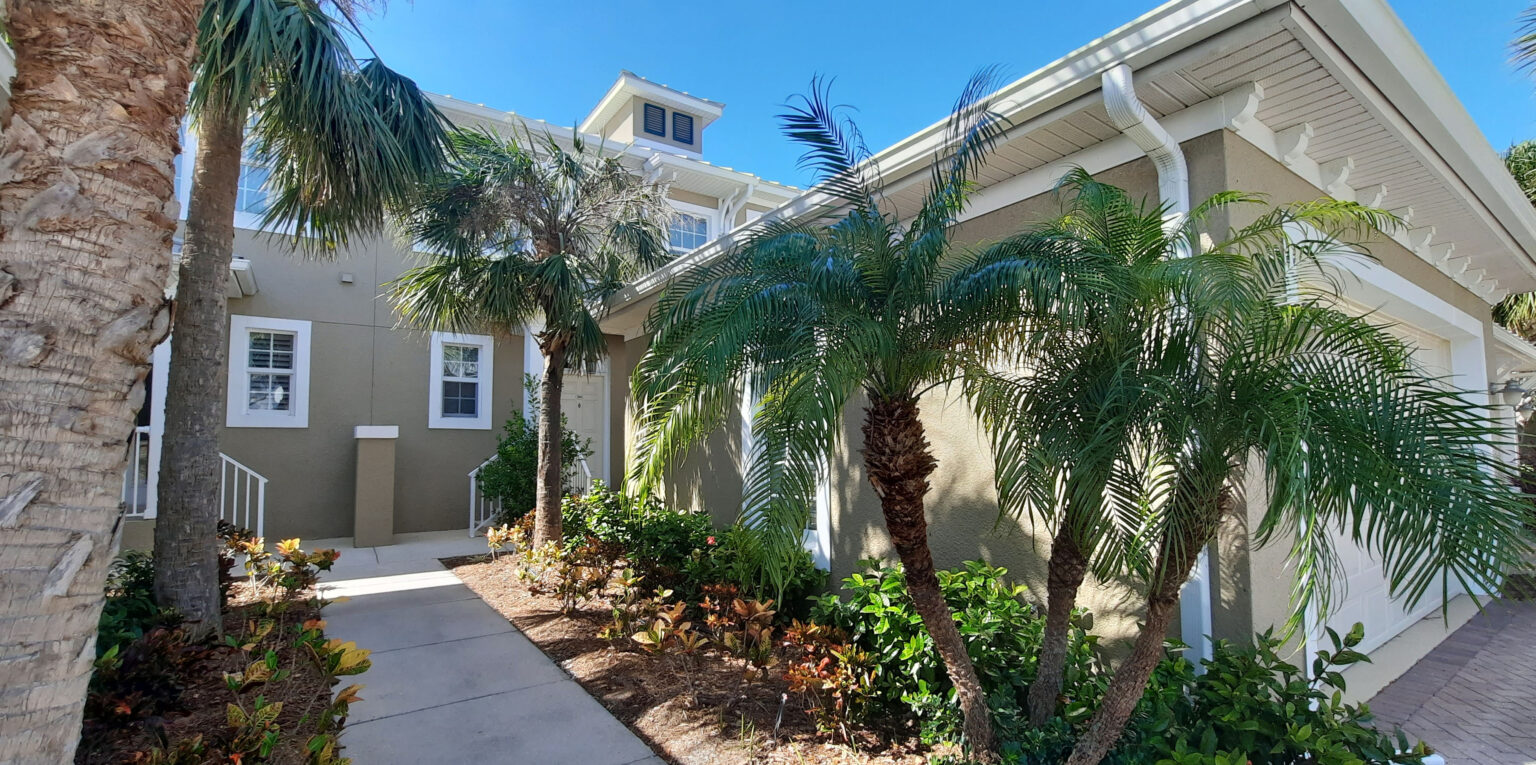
<point x="435" y="417"/>
<point x="711" y="218"/>
<point x="239" y="415"/>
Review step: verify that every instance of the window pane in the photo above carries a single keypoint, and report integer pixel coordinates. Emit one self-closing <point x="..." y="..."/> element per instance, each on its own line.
<point x="252" y="194"/>
<point x="688" y="232"/>
<point x="461" y="361"/>
<point x="270" y="393"/>
<point x="270" y="350"/>
<point x="461" y="399"/>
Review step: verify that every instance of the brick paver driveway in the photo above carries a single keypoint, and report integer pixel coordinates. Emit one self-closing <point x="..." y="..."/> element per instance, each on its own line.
<point x="1473" y="698"/>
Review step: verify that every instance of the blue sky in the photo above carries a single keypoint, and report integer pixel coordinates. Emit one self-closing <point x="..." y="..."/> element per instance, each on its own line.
<point x="554" y="60"/>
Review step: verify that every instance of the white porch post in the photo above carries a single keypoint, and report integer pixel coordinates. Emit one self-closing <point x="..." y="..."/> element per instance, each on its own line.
<point x="160" y="366"/>
<point x="533" y="364"/>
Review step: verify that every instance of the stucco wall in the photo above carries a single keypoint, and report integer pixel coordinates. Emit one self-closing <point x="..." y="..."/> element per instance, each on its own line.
<point x="962" y="504"/>
<point x="363" y="372"/>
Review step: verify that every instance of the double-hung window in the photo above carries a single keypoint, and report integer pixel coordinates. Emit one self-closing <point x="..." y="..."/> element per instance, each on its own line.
<point x="268" y="373"/>
<point x="460" y="381"/>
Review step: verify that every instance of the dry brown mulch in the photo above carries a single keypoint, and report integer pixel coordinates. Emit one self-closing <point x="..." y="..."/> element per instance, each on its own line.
<point x="692" y="710"/>
<point x="202" y="705"/>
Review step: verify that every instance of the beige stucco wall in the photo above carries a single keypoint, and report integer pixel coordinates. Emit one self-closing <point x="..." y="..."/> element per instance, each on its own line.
<point x="363" y="372"/>
<point x="962" y="505"/>
<point x="637" y="121"/>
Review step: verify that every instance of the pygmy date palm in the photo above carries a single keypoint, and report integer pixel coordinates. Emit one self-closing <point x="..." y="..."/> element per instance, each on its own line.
<point x="342" y="138"/>
<point x="858" y="307"/>
<point x="524" y="231"/>
<point x="1246" y="358"/>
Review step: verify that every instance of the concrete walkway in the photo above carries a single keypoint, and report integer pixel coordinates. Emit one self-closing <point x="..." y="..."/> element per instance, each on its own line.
<point x="452" y="680"/>
<point x="1473" y="697"/>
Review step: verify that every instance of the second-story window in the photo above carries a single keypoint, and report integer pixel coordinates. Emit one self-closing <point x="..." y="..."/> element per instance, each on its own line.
<point x="252" y="194"/>
<point x="688" y="232"/>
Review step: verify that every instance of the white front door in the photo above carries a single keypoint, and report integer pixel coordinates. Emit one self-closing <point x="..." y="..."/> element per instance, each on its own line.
<point x="584" y="402"/>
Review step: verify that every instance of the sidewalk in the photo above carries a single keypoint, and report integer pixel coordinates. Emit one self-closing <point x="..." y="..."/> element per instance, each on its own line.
<point x="453" y="681"/>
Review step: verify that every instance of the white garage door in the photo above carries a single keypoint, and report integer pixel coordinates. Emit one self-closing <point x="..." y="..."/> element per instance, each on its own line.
<point x="1366" y="600"/>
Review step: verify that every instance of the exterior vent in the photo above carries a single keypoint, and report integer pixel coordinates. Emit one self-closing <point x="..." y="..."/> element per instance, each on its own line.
<point x="682" y="128"/>
<point x="656" y="121"/>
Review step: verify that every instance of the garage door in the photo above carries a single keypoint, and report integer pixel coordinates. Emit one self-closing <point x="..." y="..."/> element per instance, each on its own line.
<point x="1366" y="600"/>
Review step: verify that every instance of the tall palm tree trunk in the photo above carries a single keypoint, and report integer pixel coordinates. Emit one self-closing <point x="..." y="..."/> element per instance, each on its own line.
<point x="187" y="515"/>
<point x="899" y="461"/>
<point x="546" y="521"/>
<point x="1177" y="558"/>
<point x="86" y="180"/>
<point x="1068" y="567"/>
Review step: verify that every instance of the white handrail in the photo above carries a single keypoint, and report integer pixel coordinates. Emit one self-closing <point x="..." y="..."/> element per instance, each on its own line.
<point x="242" y="495"/>
<point x="481" y="509"/>
<point x="136" y="486"/>
<point x="586" y="476"/>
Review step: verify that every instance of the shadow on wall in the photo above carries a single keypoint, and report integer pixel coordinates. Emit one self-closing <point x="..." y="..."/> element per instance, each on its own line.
<point x="708" y="478"/>
<point x="963" y="520"/>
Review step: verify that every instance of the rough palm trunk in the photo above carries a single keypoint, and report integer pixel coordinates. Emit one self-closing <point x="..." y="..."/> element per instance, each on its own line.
<point x="187" y="512"/>
<point x="86" y="182"/>
<point x="1064" y="577"/>
<point x="899" y="461"/>
<point x="1130" y="680"/>
<point x="546" y="522"/>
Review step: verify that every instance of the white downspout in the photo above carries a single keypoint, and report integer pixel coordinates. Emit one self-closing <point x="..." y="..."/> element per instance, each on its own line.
<point x="1130" y="117"/>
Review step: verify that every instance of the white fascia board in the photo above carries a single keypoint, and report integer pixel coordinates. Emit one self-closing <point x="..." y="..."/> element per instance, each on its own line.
<point x="1367" y="47"/>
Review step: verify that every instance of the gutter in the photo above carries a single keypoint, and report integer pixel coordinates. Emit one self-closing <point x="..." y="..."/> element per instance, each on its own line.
<point x="1131" y="118"/>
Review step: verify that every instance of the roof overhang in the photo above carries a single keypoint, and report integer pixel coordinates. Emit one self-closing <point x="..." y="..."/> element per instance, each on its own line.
<point x="1337" y="90"/>
<point x="630" y="85"/>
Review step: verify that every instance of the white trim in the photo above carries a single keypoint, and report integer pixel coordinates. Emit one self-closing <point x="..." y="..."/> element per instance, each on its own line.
<point x="533" y="364"/>
<point x="484" y="380"/>
<point x="711" y="216"/>
<point x="160" y="370"/>
<point x="376" y="431"/>
<point x="237" y="415"/>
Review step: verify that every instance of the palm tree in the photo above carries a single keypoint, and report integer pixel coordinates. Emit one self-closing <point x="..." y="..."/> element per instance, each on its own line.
<point x="342" y="138"/>
<point x="1353" y="436"/>
<point x="89" y="144"/>
<point x="1070" y="427"/>
<point x="522" y="230"/>
<point x="818" y="313"/>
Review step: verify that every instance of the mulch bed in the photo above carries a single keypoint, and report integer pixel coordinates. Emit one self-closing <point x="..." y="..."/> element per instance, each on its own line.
<point x="202" y="705"/>
<point x="692" y="710"/>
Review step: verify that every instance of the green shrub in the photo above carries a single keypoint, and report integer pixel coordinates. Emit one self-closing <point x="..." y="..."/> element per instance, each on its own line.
<point x="513" y="476"/>
<point x="130" y="611"/>
<point x="1001" y="631"/>
<point x="1250" y="706"/>
<point x="727" y="557"/>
